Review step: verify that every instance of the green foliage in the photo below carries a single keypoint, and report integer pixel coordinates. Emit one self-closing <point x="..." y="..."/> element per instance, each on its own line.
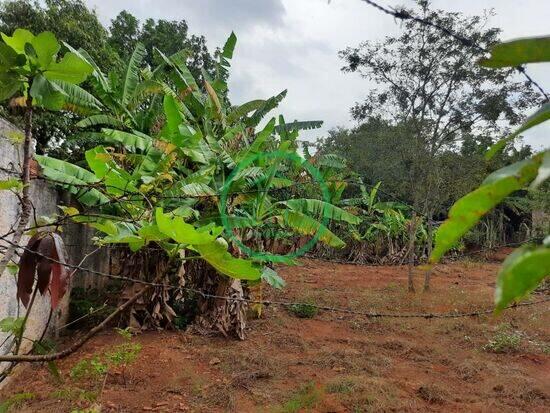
<point x="123" y="354"/>
<point x="304" y="310"/>
<point x="304" y="399"/>
<point x="521" y="273"/>
<point x="171" y="143"/>
<point x="88" y="369"/>
<point x="12" y="325"/>
<point x="30" y="63"/>
<point x="11" y="184"/>
<point x="540" y="116"/>
<point x="523" y="270"/>
<point x="467" y="211"/>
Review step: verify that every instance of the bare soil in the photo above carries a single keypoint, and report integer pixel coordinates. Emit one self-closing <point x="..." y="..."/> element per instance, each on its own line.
<point x="330" y="363"/>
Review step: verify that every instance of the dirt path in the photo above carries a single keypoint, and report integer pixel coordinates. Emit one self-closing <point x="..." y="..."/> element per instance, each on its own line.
<point x="329" y="363"/>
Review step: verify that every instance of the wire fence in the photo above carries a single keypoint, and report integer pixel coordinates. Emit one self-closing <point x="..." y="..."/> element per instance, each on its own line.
<point x="270" y="302"/>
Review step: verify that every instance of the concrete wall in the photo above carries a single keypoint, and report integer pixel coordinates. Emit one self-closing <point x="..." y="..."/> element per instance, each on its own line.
<point x="77" y="238"/>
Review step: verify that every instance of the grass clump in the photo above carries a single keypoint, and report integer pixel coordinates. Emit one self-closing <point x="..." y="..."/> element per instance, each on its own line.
<point x="307" y="397"/>
<point x="504" y="341"/>
<point x="304" y="310"/>
<point x="15" y="401"/>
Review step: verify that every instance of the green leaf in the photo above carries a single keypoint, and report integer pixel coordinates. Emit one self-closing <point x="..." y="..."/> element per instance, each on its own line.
<point x="256" y="146"/>
<point x="131" y="79"/>
<point x="267" y="107"/>
<point x="468" y="210"/>
<point x="11" y="325"/>
<point x="97" y="73"/>
<point x="183" y="233"/>
<point x="46" y="47"/>
<point x="299" y="125"/>
<point x="11" y="183"/>
<point x="18" y="40"/>
<point x="46" y="94"/>
<point x="229" y="46"/>
<point x="116" y="180"/>
<point x="197" y="189"/>
<point x="521" y="273"/>
<point x="320" y="208"/>
<point x="76" y="99"/>
<point x="9" y="57"/>
<point x="544" y="171"/>
<point x="541" y="115"/>
<point x="272" y="278"/>
<point x="130" y="141"/>
<point x="244" y="109"/>
<point x="73" y="178"/>
<point x="71" y="69"/>
<point x="518" y="52"/>
<point x="178" y="62"/>
<point x="305" y="225"/>
<point x="104" y="224"/>
<point x="100" y="119"/>
<point x="216" y="254"/>
<point x="9" y="85"/>
<point x="174" y="118"/>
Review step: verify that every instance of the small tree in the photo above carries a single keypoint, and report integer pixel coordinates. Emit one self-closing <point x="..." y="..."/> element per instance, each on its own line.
<point x="33" y="75"/>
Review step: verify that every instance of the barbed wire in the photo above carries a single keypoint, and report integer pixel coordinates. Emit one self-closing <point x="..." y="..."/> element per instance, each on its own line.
<point x="274" y="302"/>
<point x="403" y="14"/>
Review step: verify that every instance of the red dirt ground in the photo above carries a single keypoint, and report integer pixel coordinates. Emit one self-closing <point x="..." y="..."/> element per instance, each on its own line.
<point x="330" y="363"/>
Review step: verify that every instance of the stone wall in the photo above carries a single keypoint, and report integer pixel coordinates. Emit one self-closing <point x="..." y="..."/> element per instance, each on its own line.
<point x="77" y="238"/>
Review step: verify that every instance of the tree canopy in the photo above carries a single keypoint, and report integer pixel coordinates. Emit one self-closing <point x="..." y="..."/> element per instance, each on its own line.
<point x="431" y="90"/>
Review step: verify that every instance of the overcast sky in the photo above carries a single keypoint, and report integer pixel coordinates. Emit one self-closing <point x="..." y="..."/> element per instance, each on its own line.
<point x="293" y="44"/>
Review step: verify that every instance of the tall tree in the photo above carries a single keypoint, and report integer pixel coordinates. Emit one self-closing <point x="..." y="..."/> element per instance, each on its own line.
<point x="430" y="85"/>
<point x="168" y="36"/>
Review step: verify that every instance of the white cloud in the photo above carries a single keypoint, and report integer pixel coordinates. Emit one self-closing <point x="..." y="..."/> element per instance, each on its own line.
<point x="293" y="44"/>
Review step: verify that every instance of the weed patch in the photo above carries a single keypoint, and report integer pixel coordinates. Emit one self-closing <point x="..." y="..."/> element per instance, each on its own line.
<point x="307" y="397"/>
<point x="504" y="341"/>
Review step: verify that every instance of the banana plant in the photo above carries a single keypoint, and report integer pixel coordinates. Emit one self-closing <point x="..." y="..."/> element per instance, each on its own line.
<point x="175" y="173"/>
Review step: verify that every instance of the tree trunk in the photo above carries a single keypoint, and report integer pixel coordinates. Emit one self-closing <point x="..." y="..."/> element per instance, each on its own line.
<point x="412" y="232"/>
<point x="215" y="314"/>
<point x="428" y="273"/>
<point x="25" y="196"/>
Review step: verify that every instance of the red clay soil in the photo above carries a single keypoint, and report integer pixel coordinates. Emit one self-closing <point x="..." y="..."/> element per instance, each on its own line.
<point x="329" y="363"/>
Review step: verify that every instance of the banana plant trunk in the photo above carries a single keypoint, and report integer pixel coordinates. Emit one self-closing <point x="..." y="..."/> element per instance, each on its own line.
<point x="223" y="315"/>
